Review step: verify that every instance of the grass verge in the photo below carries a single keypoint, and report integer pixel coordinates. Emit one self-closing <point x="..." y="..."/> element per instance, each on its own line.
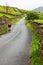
<point x="13" y="21"/>
<point x="34" y="53"/>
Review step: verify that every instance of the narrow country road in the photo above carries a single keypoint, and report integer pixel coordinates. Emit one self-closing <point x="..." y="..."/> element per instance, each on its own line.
<point x="15" y="46"/>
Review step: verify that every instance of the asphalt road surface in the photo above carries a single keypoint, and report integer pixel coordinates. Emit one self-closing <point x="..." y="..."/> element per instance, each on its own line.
<point x="15" y="45"/>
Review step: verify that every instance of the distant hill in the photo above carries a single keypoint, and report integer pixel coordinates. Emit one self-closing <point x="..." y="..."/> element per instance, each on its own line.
<point x="39" y="9"/>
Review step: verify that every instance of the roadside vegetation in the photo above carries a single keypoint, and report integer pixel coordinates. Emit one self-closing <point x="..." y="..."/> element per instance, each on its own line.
<point x="13" y="21"/>
<point x="34" y="53"/>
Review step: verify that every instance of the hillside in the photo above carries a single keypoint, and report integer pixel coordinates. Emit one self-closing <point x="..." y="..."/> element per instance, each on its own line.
<point x="39" y="9"/>
<point x="10" y="10"/>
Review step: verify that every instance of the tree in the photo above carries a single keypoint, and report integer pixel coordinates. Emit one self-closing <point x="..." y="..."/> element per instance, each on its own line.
<point x="32" y="15"/>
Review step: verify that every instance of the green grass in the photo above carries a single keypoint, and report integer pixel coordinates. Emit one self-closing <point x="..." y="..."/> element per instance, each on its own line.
<point x="9" y="16"/>
<point x="13" y="21"/>
<point x="39" y="21"/>
<point x="34" y="53"/>
<point x="11" y="10"/>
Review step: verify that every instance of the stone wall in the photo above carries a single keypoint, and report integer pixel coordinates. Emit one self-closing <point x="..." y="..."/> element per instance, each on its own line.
<point x="3" y="28"/>
<point x="38" y="27"/>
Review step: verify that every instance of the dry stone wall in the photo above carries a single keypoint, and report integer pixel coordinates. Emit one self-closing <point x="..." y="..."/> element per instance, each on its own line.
<point x="38" y="27"/>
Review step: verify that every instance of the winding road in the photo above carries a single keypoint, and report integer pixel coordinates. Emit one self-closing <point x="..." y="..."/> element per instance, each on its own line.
<point x="15" y="46"/>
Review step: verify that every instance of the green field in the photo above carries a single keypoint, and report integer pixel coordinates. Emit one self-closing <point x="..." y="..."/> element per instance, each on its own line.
<point x="39" y="21"/>
<point x="9" y="16"/>
<point x="10" y="10"/>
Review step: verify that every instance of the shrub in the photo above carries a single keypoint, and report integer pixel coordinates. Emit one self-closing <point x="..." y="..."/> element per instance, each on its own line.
<point x="32" y="15"/>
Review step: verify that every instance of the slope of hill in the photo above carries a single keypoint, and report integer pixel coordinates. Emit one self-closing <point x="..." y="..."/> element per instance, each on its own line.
<point x="11" y="10"/>
<point x="39" y="9"/>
